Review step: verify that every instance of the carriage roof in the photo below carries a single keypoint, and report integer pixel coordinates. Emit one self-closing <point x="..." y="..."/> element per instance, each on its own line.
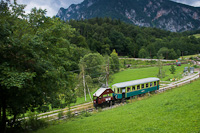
<point x="135" y="82"/>
<point x="101" y="91"/>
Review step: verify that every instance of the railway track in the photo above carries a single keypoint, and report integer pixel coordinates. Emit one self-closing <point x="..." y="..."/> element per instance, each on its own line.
<point x="78" y="109"/>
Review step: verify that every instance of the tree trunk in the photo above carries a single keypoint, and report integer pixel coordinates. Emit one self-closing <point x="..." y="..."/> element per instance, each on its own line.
<point x="84" y="82"/>
<point x="89" y="92"/>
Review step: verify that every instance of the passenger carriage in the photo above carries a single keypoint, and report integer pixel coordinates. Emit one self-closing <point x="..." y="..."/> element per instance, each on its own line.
<point x="136" y="87"/>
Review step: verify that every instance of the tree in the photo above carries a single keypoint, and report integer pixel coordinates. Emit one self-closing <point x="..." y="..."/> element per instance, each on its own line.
<point x="34" y="67"/>
<point x="161" y="72"/>
<point x="163" y="52"/>
<point x="143" y="53"/>
<point x="172" y="69"/>
<point x="93" y="64"/>
<point x="115" y="61"/>
<point x="178" y="52"/>
<point x="172" y="54"/>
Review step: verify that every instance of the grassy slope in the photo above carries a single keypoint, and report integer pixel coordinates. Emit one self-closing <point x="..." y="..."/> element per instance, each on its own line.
<point x="188" y="56"/>
<point x="132" y="74"/>
<point x="174" y="111"/>
<point x="197" y="35"/>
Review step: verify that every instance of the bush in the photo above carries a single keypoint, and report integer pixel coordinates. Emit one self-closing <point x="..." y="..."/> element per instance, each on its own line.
<point x="33" y="123"/>
<point x="69" y="114"/>
<point x="155" y="57"/>
<point x="86" y="114"/>
<point x="60" y="114"/>
<point x="196" y="66"/>
<point x="99" y="109"/>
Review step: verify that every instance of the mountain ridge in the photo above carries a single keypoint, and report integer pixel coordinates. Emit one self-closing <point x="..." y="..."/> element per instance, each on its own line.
<point x="163" y="14"/>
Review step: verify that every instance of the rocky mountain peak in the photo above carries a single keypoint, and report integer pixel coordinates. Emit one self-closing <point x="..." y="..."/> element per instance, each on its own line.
<point x="163" y="14"/>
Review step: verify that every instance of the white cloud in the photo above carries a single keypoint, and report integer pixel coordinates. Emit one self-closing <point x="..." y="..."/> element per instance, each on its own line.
<point x="52" y="6"/>
<point x="196" y="4"/>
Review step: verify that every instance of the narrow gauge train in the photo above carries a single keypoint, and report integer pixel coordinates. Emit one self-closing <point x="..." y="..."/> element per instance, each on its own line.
<point x="125" y="90"/>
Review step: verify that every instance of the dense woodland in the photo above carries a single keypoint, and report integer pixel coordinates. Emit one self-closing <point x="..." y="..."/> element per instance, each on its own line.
<point x="43" y="59"/>
<point x="104" y="34"/>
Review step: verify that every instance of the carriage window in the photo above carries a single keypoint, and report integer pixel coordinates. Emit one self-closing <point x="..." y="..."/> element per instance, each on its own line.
<point x="142" y="86"/>
<point x="118" y="90"/>
<point x="147" y="85"/>
<point x="133" y="88"/>
<point x="150" y="84"/>
<point x="138" y="87"/>
<point x="128" y="89"/>
<point x="154" y="83"/>
<point x="123" y="90"/>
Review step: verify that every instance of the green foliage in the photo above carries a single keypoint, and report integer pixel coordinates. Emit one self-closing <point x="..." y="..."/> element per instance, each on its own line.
<point x="60" y="114"/>
<point x="104" y="36"/>
<point x="36" y="59"/>
<point x="163" y="52"/>
<point x="115" y="61"/>
<point x="33" y="123"/>
<point x="172" y="69"/>
<point x="143" y="53"/>
<point x="172" y="54"/>
<point x="92" y="62"/>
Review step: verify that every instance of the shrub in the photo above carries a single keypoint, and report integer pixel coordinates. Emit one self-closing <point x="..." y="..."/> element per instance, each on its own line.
<point x="60" y="114"/>
<point x="33" y="123"/>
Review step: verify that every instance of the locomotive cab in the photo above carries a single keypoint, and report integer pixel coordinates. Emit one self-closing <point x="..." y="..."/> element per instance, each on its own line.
<point x="102" y="96"/>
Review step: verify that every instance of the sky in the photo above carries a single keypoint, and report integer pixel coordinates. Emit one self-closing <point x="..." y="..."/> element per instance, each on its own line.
<point x="52" y="6"/>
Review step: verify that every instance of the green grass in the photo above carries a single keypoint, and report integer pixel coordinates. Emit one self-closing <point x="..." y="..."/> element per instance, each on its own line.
<point x="139" y="73"/>
<point x="197" y="35"/>
<point x="176" y="110"/>
<point x="188" y="56"/>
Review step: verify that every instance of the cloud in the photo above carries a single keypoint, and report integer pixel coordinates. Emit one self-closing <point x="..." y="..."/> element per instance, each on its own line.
<point x="52" y="6"/>
<point x="195" y="3"/>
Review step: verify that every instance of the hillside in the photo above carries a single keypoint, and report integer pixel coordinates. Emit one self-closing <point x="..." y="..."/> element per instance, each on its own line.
<point x="197" y="35"/>
<point x="163" y="14"/>
<point x="173" y="111"/>
<point x="104" y="34"/>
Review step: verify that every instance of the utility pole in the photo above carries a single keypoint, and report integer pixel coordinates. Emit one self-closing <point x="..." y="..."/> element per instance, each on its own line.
<point x="107" y="74"/>
<point x="84" y="81"/>
<point x="88" y="91"/>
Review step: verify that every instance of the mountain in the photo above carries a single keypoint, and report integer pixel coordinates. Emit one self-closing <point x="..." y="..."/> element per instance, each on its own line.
<point x="164" y="14"/>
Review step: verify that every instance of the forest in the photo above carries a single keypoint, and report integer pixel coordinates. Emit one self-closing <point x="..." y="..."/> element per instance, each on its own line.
<point x="43" y="59"/>
<point x="104" y="34"/>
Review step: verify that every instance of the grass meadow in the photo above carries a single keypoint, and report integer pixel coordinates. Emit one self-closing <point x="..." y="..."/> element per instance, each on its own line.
<point x="175" y="111"/>
<point x="139" y="73"/>
<point x="197" y="35"/>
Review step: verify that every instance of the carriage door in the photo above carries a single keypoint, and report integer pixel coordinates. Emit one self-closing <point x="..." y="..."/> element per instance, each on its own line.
<point x="123" y="92"/>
